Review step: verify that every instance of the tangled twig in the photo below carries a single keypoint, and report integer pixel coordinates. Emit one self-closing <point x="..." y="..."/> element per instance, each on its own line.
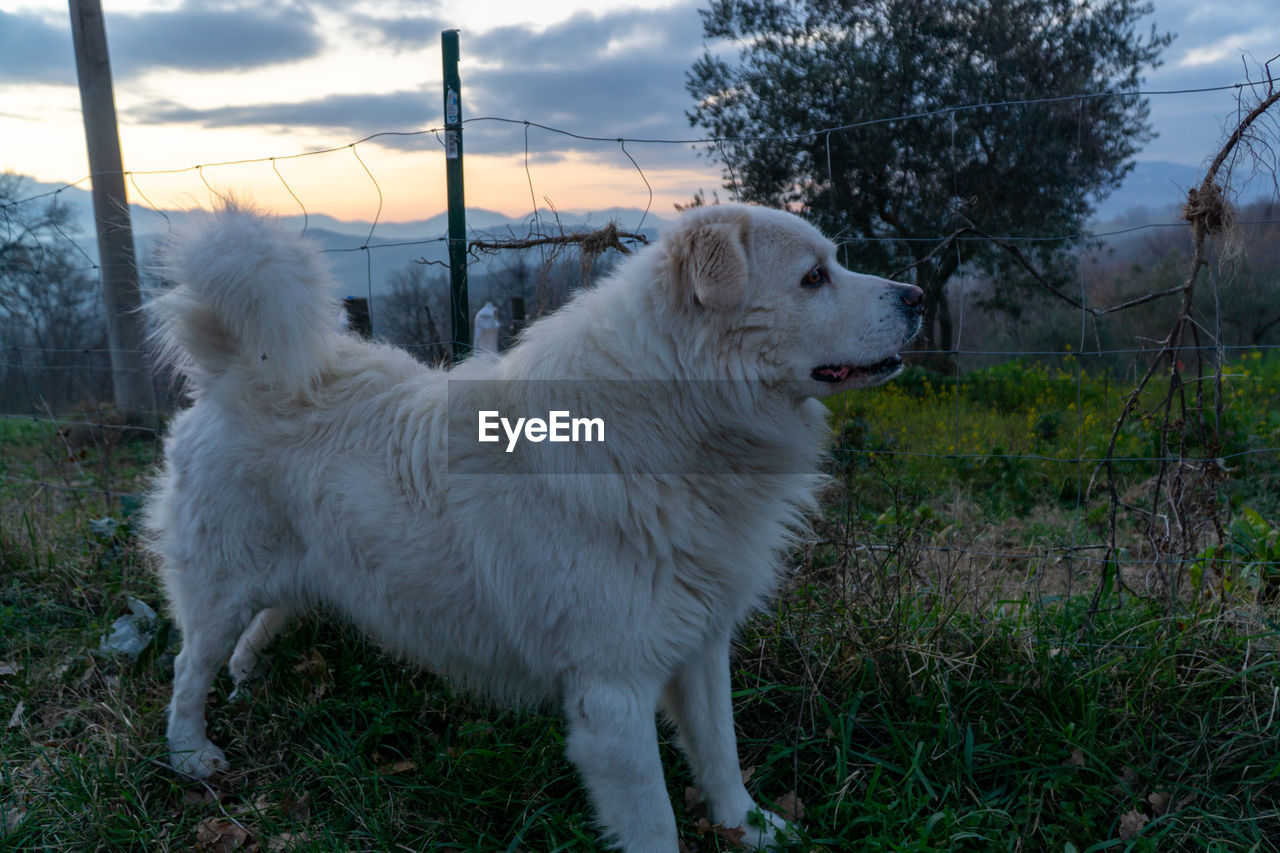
<point x="592" y="243"/>
<point x="1187" y="485"/>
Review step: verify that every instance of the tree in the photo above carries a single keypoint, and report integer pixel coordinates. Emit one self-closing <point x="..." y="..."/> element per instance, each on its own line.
<point x="903" y="185"/>
<point x="1250" y="311"/>
<point x="50" y="309"/>
<point x="410" y="314"/>
<point x="44" y="289"/>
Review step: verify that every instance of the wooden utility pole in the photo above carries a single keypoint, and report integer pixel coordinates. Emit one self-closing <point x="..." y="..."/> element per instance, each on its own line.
<point x="130" y="380"/>
<point x="460" y="313"/>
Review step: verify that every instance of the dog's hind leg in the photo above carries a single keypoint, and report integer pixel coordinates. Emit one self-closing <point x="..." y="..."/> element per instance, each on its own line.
<point x="613" y="741"/>
<point x="265" y="627"/>
<point x="210" y="626"/>
<point x="699" y="702"/>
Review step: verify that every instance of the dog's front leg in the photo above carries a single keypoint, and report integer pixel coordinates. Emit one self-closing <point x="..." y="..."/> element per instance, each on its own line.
<point x="613" y="741"/>
<point x="699" y="702"/>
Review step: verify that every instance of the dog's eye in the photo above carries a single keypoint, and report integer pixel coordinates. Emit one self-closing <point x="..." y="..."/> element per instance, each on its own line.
<point x="815" y="277"/>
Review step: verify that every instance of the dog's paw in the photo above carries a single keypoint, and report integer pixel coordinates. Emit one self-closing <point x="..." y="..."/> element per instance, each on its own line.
<point x="199" y="761"/>
<point x="242" y="666"/>
<point x="764" y="830"/>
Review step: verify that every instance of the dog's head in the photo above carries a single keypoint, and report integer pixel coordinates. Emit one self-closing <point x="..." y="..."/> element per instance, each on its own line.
<point x="766" y="287"/>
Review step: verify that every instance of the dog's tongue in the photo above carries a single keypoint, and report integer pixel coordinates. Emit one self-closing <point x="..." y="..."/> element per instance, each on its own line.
<point x="833" y="374"/>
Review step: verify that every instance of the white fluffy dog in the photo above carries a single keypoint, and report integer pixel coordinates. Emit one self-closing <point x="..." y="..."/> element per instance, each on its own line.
<point x="313" y="470"/>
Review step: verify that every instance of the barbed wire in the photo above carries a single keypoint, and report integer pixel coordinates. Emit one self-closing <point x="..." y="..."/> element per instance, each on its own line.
<point x="968" y="238"/>
<point x="697" y="140"/>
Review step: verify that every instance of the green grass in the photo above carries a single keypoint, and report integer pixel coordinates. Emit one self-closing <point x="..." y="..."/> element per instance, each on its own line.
<point x="913" y="698"/>
<point x="945" y="731"/>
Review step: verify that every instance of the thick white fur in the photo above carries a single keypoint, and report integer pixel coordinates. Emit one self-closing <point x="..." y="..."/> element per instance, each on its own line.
<point x="310" y="471"/>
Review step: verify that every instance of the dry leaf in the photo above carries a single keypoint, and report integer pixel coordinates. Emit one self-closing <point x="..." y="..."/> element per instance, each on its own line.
<point x="1128" y="776"/>
<point x="747" y="774"/>
<point x="790" y="807"/>
<point x="402" y="766"/>
<point x="1131" y="824"/>
<point x="733" y="835"/>
<point x="683" y="848"/>
<point x="12" y="818"/>
<point x="16" y="719"/>
<point x="219" y="835"/>
<point x="198" y="796"/>
<point x="312" y="665"/>
<point x="1159" y="801"/>
<point x="10" y="667"/>
<point x="692" y="797"/>
<point x="1077" y="758"/>
<point x="287" y="841"/>
<point x="387" y="767"/>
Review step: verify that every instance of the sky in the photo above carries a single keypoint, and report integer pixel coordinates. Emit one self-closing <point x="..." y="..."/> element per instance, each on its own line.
<point x="203" y="83"/>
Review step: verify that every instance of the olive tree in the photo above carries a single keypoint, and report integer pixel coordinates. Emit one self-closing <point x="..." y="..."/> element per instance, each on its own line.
<point x="894" y="123"/>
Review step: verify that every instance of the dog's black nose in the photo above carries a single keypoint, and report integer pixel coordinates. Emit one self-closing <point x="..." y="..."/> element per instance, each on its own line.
<point x="913" y="297"/>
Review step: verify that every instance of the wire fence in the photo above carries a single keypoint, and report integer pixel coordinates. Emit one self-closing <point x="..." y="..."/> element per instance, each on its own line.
<point x="953" y="463"/>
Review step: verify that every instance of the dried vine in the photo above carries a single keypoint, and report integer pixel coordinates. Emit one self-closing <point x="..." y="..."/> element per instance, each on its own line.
<point x="1183" y="509"/>
<point x="592" y="243"/>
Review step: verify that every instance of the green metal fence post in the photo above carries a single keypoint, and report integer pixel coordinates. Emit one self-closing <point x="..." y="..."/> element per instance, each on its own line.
<point x="460" y="313"/>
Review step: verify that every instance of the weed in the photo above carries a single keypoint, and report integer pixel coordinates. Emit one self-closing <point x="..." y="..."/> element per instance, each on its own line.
<point x="930" y="679"/>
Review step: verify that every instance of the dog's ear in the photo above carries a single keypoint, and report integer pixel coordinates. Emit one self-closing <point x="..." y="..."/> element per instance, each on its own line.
<point x="709" y="260"/>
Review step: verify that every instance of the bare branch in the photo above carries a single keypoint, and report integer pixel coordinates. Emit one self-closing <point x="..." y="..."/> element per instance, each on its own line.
<point x="1188" y="486"/>
<point x="592" y="242"/>
<point x="1026" y="264"/>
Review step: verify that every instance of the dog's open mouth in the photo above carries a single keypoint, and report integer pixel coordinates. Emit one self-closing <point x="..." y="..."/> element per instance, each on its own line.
<point x="834" y="374"/>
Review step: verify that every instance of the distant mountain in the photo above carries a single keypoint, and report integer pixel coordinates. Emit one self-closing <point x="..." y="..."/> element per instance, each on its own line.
<point x="1153" y="190"/>
<point x="1155" y="185"/>
<point x="391" y="245"/>
<point x="1158" y="187"/>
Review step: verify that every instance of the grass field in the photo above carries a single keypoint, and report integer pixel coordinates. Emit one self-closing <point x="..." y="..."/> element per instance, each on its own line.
<point x="932" y="678"/>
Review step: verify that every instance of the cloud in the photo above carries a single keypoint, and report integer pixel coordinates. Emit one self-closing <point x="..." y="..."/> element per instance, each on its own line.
<point x="1229" y="50"/>
<point x="1209" y="51"/>
<point x="590" y="39"/>
<point x="407" y="33"/>
<point x="195" y="37"/>
<point x="631" y="99"/>
<point x="359" y="115"/>
<point x="35" y="50"/>
<point x="1211" y="36"/>
<point x="613" y="75"/>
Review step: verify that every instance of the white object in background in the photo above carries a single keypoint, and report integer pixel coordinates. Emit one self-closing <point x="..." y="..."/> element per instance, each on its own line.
<point x="130" y="634"/>
<point x="486" y="336"/>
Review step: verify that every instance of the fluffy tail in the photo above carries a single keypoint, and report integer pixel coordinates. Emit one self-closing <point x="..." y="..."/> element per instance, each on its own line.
<point x="249" y="298"/>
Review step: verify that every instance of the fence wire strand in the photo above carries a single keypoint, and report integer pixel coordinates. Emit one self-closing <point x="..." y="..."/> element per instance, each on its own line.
<point x="44" y="376"/>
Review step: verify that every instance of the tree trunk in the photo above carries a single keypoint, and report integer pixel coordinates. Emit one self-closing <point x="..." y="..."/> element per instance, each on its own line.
<point x="944" y="340"/>
<point x="930" y="317"/>
<point x="938" y="327"/>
